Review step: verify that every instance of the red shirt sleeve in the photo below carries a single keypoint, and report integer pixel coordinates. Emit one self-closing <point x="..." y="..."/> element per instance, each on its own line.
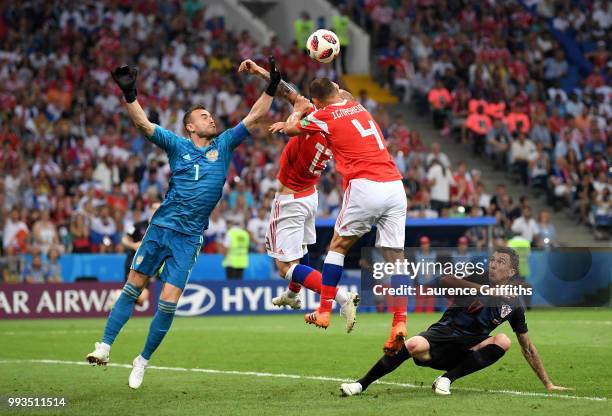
<point x="315" y="122"/>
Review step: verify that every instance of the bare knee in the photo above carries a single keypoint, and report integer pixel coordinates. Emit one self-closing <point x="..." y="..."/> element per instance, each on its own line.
<point x="417" y="345"/>
<point x="502" y="341"/>
<point x="284" y="266"/>
<point x="137" y="279"/>
<point x="341" y="244"/>
<point x="170" y="293"/>
<point x="391" y="255"/>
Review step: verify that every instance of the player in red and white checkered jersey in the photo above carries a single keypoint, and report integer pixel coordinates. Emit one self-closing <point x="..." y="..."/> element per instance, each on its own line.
<point x="374" y="193"/>
<point x="292" y="220"/>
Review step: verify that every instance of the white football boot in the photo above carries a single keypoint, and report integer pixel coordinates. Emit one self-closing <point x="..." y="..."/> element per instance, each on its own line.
<point x="294" y="302"/>
<point x="138" y="369"/>
<point x="350" y="389"/>
<point x="100" y="355"/>
<point x="349" y="310"/>
<point x="441" y="386"/>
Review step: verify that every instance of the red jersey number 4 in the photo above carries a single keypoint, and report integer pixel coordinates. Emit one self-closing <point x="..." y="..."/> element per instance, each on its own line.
<point x="372" y="131"/>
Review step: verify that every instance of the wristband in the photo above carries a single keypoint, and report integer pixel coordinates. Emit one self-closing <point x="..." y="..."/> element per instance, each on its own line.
<point x="130" y="96"/>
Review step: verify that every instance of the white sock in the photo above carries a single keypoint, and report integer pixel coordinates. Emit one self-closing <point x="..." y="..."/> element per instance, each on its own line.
<point x="104" y="346"/>
<point x="342" y="297"/>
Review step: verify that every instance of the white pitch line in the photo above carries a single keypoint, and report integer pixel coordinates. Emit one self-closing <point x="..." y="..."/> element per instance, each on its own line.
<point x="315" y="378"/>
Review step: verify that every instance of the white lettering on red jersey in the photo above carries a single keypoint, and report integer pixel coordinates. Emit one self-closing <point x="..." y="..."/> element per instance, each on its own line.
<point x="303" y="160"/>
<point x="356" y="141"/>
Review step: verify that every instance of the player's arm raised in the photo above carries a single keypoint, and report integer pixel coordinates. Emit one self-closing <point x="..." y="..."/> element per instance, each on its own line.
<point x="284" y="91"/>
<point x="125" y="77"/>
<point x="533" y="358"/>
<point x="300" y="106"/>
<point x="262" y="105"/>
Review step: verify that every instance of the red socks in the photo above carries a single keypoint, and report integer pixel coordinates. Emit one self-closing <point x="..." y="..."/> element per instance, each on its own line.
<point x="328" y="293"/>
<point x="295" y="287"/>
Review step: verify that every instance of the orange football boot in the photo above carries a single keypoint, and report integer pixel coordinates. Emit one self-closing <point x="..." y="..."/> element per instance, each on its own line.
<point x="318" y="318"/>
<point x="396" y="338"/>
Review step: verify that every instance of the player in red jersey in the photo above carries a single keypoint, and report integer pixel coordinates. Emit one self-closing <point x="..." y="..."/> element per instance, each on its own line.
<point x="374" y="193"/>
<point x="292" y="220"/>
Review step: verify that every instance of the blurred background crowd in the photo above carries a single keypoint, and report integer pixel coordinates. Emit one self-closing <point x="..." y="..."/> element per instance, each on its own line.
<point x="75" y="175"/>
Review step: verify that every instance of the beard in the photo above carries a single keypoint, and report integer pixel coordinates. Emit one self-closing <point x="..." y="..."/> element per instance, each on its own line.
<point x="205" y="134"/>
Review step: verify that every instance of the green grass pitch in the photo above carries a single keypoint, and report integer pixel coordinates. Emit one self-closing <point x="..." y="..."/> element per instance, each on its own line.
<point x="576" y="346"/>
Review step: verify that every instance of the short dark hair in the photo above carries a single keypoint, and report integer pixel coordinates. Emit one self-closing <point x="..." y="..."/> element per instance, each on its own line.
<point x="322" y="88"/>
<point x="187" y="115"/>
<point x="514" y="258"/>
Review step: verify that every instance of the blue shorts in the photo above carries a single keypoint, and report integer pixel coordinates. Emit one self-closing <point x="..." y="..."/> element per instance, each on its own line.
<point x="176" y="252"/>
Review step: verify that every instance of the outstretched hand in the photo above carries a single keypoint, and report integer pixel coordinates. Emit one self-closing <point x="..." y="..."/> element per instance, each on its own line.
<point x="125" y="77"/>
<point x="249" y="66"/>
<point x="301" y="105"/>
<point x="277" y="127"/>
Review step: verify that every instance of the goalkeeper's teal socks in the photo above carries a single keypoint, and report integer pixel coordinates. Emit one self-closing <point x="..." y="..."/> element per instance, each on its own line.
<point x="121" y="312"/>
<point x="159" y="327"/>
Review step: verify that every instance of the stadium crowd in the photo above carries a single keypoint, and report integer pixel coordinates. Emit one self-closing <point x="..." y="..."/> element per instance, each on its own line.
<point x="76" y="176"/>
<point x="497" y="76"/>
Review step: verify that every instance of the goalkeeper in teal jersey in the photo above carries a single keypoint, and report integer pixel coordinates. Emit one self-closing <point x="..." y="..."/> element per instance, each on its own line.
<point x="198" y="164"/>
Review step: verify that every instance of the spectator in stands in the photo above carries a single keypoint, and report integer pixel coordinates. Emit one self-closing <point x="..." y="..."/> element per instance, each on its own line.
<point x="425" y="278"/>
<point x="269" y="182"/>
<point x="546" y="234"/>
<point x="257" y="228"/>
<point x="34" y="272"/>
<point x="236" y="250"/>
<point x="477" y="235"/>
<point x="498" y="143"/>
<point x="45" y="233"/>
<point x="340" y="26"/>
<point x="440" y="101"/>
<point x="555" y="68"/>
<point x="525" y="225"/>
<point x="106" y="173"/>
<point x="560" y="182"/>
<point x="499" y="231"/>
<point x="303" y="27"/>
<point x="463" y="188"/>
<point x="15" y="236"/>
<point x="103" y="231"/>
<point x="520" y="151"/>
<point x="150" y="184"/>
<point x="541" y="134"/>
<point x="215" y="233"/>
<point x="539" y="166"/>
<point x="366" y="101"/>
<point x="52" y="267"/>
<point x="240" y="190"/>
<point x="420" y="206"/>
<point x="478" y="124"/>
<point x="79" y="231"/>
<point x="440" y="180"/>
<point x="436" y="153"/>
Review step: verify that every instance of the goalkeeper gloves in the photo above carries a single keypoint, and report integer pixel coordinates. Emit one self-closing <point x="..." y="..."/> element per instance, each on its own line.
<point x="125" y="77"/>
<point x="275" y="77"/>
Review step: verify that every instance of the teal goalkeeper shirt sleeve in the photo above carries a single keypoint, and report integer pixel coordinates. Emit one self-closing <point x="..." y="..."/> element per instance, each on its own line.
<point x="232" y="138"/>
<point x="166" y="139"/>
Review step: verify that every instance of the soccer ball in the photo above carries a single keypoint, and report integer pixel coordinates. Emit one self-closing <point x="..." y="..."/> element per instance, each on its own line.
<point x="323" y="46"/>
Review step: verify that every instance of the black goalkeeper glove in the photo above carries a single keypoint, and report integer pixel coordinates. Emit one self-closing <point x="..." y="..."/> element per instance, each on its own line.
<point x="275" y="77"/>
<point x="125" y="77"/>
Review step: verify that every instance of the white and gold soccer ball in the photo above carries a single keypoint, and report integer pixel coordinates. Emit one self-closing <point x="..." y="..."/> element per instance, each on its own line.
<point x="323" y="46"/>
